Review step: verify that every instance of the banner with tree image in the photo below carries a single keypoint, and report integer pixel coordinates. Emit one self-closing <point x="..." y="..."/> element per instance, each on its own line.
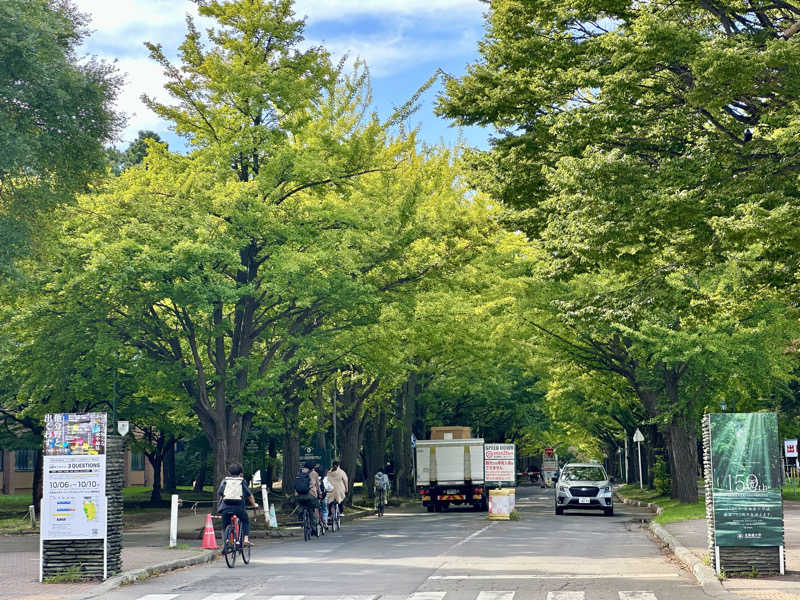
<point x="746" y="471"/>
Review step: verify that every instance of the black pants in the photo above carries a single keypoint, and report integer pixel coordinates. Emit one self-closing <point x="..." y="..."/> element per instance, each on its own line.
<point x="240" y="512"/>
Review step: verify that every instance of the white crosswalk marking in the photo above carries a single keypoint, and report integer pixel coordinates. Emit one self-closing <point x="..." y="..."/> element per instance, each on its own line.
<point x="286" y="597"/>
<point x="496" y="596"/>
<point x="566" y="595"/>
<point x="159" y="597"/>
<point x="637" y="596"/>
<point x="224" y="596"/>
<point x="427" y="596"/>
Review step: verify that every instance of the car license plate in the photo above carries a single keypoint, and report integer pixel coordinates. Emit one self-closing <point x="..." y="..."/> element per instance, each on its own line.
<point x="584" y="500"/>
<point x="452" y="491"/>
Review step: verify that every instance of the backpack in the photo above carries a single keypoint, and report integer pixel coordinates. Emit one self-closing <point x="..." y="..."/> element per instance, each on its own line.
<point x="233" y="490"/>
<point x="302" y="483"/>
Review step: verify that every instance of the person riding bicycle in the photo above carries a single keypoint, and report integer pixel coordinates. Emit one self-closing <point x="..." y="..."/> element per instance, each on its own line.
<point x="306" y="488"/>
<point x="233" y="493"/>
<point x="381" y="486"/>
<point x="338" y="478"/>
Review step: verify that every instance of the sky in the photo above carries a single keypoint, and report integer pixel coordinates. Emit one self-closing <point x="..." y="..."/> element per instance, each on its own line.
<point x="403" y="43"/>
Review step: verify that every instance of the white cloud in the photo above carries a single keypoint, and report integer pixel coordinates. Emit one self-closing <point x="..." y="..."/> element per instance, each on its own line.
<point x="337" y="9"/>
<point x="142" y="76"/>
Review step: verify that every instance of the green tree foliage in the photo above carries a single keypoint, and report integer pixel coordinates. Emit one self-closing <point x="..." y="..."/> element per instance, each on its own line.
<point x="55" y="114"/>
<point x="644" y="147"/>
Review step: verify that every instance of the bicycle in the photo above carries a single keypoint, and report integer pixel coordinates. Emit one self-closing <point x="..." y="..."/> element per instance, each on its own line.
<point x="232" y="543"/>
<point x="309" y="528"/>
<point x="380" y="500"/>
<point x="335" y="516"/>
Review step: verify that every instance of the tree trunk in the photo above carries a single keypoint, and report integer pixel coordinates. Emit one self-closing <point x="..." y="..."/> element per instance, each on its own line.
<point x="6" y="471"/>
<point x="683" y="451"/>
<point x="155" y="459"/>
<point x="38" y="472"/>
<point x="170" y="477"/>
<point x="374" y="447"/>
<point x="407" y="412"/>
<point x="200" y="478"/>
<point x="291" y="447"/>
<point x="272" y="452"/>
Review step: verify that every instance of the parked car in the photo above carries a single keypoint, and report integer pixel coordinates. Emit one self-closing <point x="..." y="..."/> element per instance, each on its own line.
<point x="584" y="486"/>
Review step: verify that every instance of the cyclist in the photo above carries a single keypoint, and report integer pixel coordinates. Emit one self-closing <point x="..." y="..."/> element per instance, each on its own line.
<point x="233" y="493"/>
<point x="306" y="488"/>
<point x="323" y="493"/>
<point x="338" y="479"/>
<point x="327" y="495"/>
<point x="381" y="486"/>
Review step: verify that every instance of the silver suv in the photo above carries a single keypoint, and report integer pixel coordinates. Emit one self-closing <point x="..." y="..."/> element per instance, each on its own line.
<point x="584" y="486"/>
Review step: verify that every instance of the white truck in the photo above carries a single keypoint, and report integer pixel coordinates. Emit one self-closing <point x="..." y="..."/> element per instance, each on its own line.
<point x="451" y="472"/>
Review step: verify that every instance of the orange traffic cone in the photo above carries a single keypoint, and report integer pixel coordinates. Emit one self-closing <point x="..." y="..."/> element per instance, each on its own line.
<point x="209" y="539"/>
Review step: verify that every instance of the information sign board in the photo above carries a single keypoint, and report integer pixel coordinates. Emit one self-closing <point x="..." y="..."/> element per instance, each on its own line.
<point x="790" y="448"/>
<point x="499" y="461"/>
<point x="74" y="482"/>
<point x="746" y="472"/>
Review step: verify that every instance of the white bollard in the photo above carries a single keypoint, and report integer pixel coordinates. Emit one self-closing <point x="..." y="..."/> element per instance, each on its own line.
<point x="32" y="515"/>
<point x="173" y="522"/>
<point x="265" y="500"/>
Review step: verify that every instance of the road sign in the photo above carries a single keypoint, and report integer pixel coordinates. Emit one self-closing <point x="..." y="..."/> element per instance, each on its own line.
<point x="413" y="441"/>
<point x="790" y="448"/>
<point x="638" y="437"/>
<point x="123" y="427"/>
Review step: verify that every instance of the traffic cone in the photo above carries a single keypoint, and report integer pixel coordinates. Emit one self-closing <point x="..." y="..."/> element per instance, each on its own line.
<point x="209" y="539"/>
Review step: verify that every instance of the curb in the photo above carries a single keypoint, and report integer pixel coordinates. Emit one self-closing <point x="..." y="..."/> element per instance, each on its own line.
<point x="704" y="574"/>
<point x="135" y="575"/>
<point x="651" y="506"/>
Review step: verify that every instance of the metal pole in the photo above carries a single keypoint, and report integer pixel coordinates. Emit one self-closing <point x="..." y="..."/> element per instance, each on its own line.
<point x="619" y="451"/>
<point x="639" y="446"/>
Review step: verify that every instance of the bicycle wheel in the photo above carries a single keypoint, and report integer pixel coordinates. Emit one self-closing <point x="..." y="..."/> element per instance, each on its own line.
<point x="229" y="547"/>
<point x="338" y="518"/>
<point x="318" y="530"/>
<point x="245" y="549"/>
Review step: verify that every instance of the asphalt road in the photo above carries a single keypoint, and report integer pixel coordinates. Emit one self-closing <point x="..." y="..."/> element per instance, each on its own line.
<point x="456" y="555"/>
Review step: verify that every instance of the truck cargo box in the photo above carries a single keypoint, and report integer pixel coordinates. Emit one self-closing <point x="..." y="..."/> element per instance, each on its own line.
<point x="449" y="462"/>
<point x="451" y="433"/>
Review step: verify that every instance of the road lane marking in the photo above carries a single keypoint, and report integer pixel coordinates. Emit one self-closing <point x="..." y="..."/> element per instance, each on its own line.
<point x="159" y="597"/>
<point x="637" y="596"/>
<point x="566" y="595"/>
<point x="427" y="596"/>
<point x="495" y="596"/>
<point x="578" y="576"/>
<point x="224" y="596"/>
<point x="286" y="597"/>
<point x="469" y="537"/>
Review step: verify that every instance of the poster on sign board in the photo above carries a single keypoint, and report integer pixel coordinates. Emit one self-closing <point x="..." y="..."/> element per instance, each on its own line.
<point x="74" y="478"/>
<point x="500" y="463"/>
<point x="790" y="448"/>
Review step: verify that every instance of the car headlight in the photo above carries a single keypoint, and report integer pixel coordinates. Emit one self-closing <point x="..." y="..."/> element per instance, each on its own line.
<point x="562" y="488"/>
<point x="607" y="488"/>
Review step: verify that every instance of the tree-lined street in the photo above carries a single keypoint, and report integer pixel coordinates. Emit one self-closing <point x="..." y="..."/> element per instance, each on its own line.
<point x="457" y="555"/>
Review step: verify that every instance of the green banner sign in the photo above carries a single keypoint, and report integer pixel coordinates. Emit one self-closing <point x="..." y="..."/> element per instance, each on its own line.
<point x="746" y="471"/>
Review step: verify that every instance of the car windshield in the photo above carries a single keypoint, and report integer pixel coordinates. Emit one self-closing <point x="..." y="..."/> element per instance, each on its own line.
<point x="584" y="474"/>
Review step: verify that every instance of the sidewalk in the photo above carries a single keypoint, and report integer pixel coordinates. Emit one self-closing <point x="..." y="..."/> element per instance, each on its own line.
<point x="692" y="535"/>
<point x="144" y="548"/>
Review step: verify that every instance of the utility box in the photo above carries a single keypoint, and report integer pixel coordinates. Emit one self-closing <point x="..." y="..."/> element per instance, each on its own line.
<point x="451" y="433"/>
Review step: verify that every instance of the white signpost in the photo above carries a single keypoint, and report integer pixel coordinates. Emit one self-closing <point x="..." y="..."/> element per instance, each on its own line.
<point x="123" y="427"/>
<point x="639" y="438"/>
<point x="549" y="465"/>
<point x="499" y="462"/>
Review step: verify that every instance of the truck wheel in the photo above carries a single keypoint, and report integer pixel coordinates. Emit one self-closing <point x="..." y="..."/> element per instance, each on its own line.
<point x="443" y="506"/>
<point x="559" y="510"/>
<point x="430" y="507"/>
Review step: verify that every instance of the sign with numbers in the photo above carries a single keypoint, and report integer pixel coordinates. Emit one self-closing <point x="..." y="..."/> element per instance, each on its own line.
<point x="747" y="471"/>
<point x="499" y="462"/>
<point x="74" y="479"/>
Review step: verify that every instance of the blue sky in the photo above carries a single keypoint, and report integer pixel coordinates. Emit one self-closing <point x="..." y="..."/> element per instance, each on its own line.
<point x="402" y="41"/>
